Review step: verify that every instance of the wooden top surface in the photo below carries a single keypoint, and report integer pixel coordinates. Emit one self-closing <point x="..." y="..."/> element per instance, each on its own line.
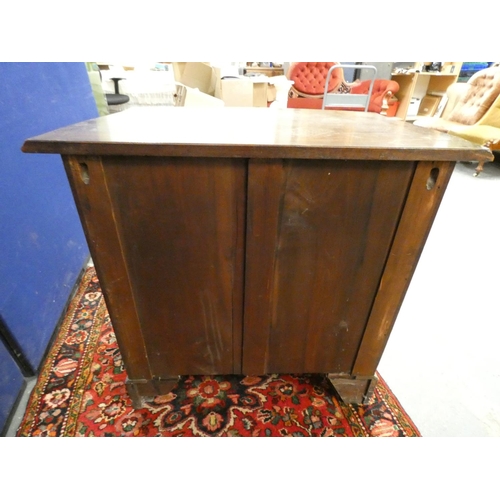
<point x="255" y="133"/>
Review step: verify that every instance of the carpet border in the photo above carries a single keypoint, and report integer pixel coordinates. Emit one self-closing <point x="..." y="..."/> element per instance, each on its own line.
<point x="397" y="411"/>
<point x="35" y="399"/>
<point x="69" y="428"/>
<point x="399" y="407"/>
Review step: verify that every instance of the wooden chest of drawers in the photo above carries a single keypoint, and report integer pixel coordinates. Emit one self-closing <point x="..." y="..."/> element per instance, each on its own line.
<point x="254" y="240"/>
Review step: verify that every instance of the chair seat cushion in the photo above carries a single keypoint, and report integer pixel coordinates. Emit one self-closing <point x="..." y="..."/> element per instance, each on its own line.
<point x="441" y="124"/>
<point x="480" y="134"/>
<point x="115" y="99"/>
<point x="379" y="91"/>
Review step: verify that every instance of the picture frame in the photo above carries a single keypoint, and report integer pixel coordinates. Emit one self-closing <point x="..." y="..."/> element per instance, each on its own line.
<point x="429" y="105"/>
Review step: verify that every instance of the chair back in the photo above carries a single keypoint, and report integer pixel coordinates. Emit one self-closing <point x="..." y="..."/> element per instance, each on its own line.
<point x="483" y="89"/>
<point x="310" y="77"/>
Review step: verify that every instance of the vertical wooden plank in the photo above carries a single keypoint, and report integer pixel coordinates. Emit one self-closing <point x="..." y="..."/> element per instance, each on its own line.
<point x="240" y="215"/>
<point x="336" y="226"/>
<point x="425" y="195"/>
<point x="182" y="238"/>
<point x="264" y="200"/>
<point x="318" y="235"/>
<point x="88" y="183"/>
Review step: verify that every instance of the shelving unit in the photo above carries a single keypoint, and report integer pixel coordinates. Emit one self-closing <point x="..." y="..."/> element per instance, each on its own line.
<point x="415" y="84"/>
<point x="271" y="71"/>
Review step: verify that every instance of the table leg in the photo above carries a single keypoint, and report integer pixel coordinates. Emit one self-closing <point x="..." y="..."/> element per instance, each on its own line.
<point x="141" y="391"/>
<point x="355" y="390"/>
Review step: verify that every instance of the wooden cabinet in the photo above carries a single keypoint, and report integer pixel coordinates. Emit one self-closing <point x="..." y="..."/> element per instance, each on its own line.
<point x="415" y="84"/>
<point x="249" y="240"/>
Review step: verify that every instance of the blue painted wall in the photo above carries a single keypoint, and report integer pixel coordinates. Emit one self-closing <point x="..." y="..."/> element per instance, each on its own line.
<point x="42" y="246"/>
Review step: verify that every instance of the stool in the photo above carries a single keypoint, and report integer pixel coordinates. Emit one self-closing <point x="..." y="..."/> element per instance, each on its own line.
<point x="117" y="98"/>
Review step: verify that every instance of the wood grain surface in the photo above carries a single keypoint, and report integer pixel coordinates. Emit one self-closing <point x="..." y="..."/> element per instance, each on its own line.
<point x="318" y="234"/>
<point x="181" y="227"/>
<point x="256" y="133"/>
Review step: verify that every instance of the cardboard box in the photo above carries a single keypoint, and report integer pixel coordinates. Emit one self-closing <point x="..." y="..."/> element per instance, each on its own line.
<point x="429" y="105"/>
<point x="242" y="92"/>
<point x="188" y="97"/>
<point x="225" y="83"/>
<point x="196" y="75"/>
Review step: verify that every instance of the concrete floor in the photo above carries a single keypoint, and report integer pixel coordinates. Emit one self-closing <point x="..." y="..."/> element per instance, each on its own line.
<point x="442" y="360"/>
<point x="18" y="414"/>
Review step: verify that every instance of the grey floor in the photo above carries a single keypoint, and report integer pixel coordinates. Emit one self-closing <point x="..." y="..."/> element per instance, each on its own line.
<point x="442" y="360"/>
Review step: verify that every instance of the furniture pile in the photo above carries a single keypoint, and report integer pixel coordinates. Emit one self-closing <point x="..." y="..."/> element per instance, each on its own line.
<point x="310" y="80"/>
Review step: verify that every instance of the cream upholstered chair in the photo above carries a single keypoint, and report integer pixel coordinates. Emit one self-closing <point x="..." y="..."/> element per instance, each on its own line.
<point x="473" y="110"/>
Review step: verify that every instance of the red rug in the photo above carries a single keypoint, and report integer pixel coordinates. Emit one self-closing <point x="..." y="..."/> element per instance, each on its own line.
<point x="81" y="392"/>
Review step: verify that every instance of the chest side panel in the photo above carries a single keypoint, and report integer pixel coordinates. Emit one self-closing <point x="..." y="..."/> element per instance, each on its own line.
<point x="319" y="233"/>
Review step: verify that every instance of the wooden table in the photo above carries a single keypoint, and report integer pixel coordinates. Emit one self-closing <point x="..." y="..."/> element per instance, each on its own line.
<point x="251" y="240"/>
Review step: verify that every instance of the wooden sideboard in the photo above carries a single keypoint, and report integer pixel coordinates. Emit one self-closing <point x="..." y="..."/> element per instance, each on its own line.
<point x="253" y="241"/>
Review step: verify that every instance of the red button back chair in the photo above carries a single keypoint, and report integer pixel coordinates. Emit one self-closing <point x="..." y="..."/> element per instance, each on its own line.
<point x="309" y="85"/>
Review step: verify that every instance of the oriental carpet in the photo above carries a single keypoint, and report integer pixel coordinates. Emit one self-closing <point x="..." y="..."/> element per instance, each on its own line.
<point x="81" y="392"/>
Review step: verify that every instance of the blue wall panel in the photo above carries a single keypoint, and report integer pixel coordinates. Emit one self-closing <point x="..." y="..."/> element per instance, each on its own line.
<point x="42" y="246"/>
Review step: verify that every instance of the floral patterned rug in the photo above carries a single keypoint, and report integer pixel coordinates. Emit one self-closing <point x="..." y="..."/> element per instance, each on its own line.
<point x="81" y="392"/>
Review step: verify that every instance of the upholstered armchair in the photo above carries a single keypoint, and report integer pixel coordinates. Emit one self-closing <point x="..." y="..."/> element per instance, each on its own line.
<point x="383" y="99"/>
<point x="473" y="110"/>
<point x="309" y="79"/>
<point x="309" y="84"/>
